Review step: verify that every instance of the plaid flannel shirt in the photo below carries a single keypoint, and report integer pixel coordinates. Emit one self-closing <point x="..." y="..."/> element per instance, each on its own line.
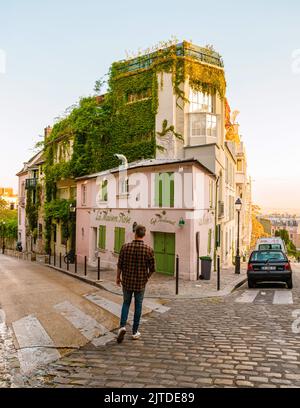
<point x="136" y="263"/>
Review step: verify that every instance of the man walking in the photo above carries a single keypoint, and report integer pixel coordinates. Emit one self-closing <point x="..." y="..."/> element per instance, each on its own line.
<point x="135" y="266"/>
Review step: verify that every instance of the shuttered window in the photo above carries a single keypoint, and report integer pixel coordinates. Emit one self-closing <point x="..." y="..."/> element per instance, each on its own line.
<point x="119" y="239"/>
<point x="102" y="237"/>
<point x="164" y="190"/>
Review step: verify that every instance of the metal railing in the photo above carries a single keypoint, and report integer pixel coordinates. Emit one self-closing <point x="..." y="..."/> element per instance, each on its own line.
<point x="31" y="183"/>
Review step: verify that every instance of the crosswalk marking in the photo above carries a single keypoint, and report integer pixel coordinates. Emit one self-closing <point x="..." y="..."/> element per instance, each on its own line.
<point x="36" y="347"/>
<point x="103" y="340"/>
<point x="157" y="307"/>
<point x="275" y="297"/>
<point x="87" y="325"/>
<point x="248" y="296"/>
<point x="283" y="298"/>
<point x="110" y="306"/>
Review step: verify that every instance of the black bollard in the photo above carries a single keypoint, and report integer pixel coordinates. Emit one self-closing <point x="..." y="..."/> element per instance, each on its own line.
<point x="177" y="275"/>
<point x="218" y="273"/>
<point x="98" y="268"/>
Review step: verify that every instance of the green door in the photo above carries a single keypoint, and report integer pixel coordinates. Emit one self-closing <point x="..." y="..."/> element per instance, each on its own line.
<point x="164" y="249"/>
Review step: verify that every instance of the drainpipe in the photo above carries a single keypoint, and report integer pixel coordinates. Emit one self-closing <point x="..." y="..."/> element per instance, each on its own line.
<point x="123" y="160"/>
<point x="216" y="220"/>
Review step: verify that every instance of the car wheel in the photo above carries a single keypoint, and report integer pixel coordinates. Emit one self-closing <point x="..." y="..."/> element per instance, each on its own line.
<point x="251" y="284"/>
<point x="290" y="283"/>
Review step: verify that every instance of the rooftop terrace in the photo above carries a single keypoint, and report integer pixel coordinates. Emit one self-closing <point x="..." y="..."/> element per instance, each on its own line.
<point x="183" y="49"/>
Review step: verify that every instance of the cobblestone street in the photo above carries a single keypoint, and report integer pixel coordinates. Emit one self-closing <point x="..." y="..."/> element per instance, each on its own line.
<point x="229" y="342"/>
<point x="242" y="340"/>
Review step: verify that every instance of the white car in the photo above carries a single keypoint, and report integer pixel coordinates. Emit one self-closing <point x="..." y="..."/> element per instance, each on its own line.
<point x="264" y="244"/>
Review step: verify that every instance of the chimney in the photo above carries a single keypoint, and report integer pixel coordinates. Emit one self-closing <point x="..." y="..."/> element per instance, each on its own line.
<point x="47" y="132"/>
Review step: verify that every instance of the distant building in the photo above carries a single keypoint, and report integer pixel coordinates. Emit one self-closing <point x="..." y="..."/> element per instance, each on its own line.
<point x="7" y="194"/>
<point x="267" y="225"/>
<point x="284" y="222"/>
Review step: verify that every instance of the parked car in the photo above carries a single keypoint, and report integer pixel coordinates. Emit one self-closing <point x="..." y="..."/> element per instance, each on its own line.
<point x="263" y="244"/>
<point x="269" y="266"/>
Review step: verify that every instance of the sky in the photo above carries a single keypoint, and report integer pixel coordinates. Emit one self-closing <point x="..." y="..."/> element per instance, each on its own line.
<point x="51" y="54"/>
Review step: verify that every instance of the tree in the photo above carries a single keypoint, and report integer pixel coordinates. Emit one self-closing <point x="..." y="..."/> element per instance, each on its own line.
<point x="284" y="235"/>
<point x="257" y="228"/>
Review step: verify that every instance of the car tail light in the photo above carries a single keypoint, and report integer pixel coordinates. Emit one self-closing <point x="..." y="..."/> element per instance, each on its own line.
<point x="287" y="266"/>
<point x="250" y="267"/>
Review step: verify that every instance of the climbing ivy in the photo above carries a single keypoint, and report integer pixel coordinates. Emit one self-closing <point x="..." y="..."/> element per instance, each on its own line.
<point x="33" y="203"/>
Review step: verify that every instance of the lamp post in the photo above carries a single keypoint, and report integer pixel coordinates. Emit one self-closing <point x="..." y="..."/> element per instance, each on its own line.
<point x="3" y="235"/>
<point x="238" y="205"/>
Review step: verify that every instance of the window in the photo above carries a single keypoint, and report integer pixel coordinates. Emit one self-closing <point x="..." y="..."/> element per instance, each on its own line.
<point x="264" y="256"/>
<point x="239" y="165"/>
<point x="139" y="96"/>
<point x="203" y="125"/>
<point x="164" y="190"/>
<point x="119" y="239"/>
<point x="102" y="237"/>
<point x="124" y="186"/>
<point x="103" y="190"/>
<point x="83" y="194"/>
<point x="201" y="102"/>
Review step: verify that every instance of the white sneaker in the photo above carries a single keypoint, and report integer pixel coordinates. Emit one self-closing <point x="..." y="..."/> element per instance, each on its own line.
<point x="136" y="336"/>
<point x="121" y="334"/>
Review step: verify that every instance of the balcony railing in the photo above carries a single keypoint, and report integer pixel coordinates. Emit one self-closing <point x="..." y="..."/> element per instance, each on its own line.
<point x="221" y="209"/>
<point x="182" y="50"/>
<point x="203" y="128"/>
<point x="31" y="183"/>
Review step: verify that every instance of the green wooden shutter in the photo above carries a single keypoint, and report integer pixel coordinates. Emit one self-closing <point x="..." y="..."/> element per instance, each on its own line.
<point x="156" y="190"/>
<point x="172" y="192"/>
<point x="160" y="190"/>
<point x="102" y="237"/>
<point x="116" y="245"/>
<point x="121" y="238"/>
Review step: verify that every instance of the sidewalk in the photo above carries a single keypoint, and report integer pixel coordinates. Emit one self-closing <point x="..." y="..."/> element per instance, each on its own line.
<point x="159" y="286"/>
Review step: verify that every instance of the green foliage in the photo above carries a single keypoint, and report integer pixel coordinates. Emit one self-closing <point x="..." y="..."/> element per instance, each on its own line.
<point x="58" y="210"/>
<point x="291" y="248"/>
<point x="8" y="221"/>
<point x="284" y="235"/>
<point x="33" y="203"/>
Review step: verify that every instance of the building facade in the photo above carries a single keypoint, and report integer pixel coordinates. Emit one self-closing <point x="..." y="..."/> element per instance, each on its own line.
<point x="169" y="105"/>
<point x="173" y="199"/>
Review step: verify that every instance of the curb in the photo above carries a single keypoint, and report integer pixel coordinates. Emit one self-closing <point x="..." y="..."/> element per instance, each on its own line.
<point x="167" y="297"/>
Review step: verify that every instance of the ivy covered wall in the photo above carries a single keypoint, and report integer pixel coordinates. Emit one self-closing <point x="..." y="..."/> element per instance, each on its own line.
<point x="123" y="120"/>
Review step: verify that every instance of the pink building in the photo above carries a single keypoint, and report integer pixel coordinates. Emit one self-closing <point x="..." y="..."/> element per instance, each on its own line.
<point x="173" y="199"/>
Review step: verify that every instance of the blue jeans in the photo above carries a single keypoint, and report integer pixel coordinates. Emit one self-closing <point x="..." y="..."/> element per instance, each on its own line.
<point x="138" y="303"/>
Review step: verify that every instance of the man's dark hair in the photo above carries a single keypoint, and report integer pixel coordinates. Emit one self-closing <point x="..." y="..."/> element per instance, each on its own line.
<point x="140" y="231"/>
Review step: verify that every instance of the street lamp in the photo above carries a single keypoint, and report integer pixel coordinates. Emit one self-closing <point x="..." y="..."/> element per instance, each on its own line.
<point x="3" y="235"/>
<point x="238" y="206"/>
